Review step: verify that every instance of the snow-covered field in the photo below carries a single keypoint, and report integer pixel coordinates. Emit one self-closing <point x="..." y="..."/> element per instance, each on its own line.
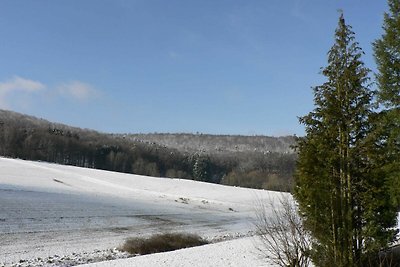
<point x="58" y="213"/>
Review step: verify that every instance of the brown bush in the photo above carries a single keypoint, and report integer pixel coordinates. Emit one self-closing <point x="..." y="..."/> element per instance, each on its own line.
<point x="162" y="243"/>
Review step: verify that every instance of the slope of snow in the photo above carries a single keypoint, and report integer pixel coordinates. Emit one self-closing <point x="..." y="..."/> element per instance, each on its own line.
<point x="238" y="253"/>
<point x="48" y="209"/>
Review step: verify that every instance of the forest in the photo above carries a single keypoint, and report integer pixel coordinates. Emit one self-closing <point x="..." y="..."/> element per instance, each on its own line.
<point x="229" y="160"/>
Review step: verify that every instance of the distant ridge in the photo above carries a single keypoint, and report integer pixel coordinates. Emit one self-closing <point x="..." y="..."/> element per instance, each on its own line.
<point x="32" y="121"/>
<point x="218" y="144"/>
<point x="184" y="142"/>
<point x="249" y="161"/>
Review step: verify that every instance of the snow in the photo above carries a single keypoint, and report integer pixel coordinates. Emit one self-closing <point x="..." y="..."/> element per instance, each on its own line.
<point x="239" y="252"/>
<point x="48" y="209"/>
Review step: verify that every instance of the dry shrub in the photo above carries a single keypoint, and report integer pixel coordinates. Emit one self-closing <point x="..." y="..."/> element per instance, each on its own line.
<point x="162" y="243"/>
<point x="389" y="257"/>
<point x="283" y="240"/>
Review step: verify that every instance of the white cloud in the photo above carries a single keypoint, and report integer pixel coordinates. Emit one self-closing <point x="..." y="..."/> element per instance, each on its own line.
<point x="17" y="84"/>
<point x="21" y="84"/>
<point x="18" y="92"/>
<point x="77" y="90"/>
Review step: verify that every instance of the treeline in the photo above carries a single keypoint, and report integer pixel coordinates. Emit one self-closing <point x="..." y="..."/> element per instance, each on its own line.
<point x="27" y="137"/>
<point x="272" y="171"/>
<point x="218" y="144"/>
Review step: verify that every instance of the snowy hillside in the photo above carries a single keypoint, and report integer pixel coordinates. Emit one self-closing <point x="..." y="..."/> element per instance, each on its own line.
<point x="48" y="209"/>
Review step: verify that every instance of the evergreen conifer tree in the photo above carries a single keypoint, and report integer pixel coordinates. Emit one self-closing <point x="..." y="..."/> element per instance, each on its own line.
<point x="387" y="56"/>
<point x="337" y="188"/>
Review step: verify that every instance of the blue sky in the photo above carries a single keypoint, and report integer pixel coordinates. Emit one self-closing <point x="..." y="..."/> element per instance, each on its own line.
<point x="210" y="66"/>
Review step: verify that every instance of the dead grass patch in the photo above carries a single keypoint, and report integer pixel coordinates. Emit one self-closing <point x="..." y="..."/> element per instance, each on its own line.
<point x="162" y="243"/>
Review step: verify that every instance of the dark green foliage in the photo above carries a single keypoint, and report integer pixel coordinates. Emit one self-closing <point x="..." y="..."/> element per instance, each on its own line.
<point x="201" y="167"/>
<point x="387" y="55"/>
<point x="341" y="186"/>
<point x="161" y="243"/>
<point x="385" y="150"/>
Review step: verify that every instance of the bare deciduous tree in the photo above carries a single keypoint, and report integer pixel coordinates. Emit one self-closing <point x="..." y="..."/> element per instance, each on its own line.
<point x="282" y="239"/>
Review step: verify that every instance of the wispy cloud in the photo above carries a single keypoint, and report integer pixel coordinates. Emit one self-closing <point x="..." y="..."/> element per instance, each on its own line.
<point x="21" y="84"/>
<point x="78" y="90"/>
<point x="19" y="92"/>
<point x="17" y="84"/>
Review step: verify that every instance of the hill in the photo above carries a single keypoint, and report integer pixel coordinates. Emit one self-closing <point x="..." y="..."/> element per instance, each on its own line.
<point x="55" y="215"/>
<point x="250" y="161"/>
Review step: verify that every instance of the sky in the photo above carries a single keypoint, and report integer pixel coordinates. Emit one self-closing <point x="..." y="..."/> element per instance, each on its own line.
<point x="178" y="66"/>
